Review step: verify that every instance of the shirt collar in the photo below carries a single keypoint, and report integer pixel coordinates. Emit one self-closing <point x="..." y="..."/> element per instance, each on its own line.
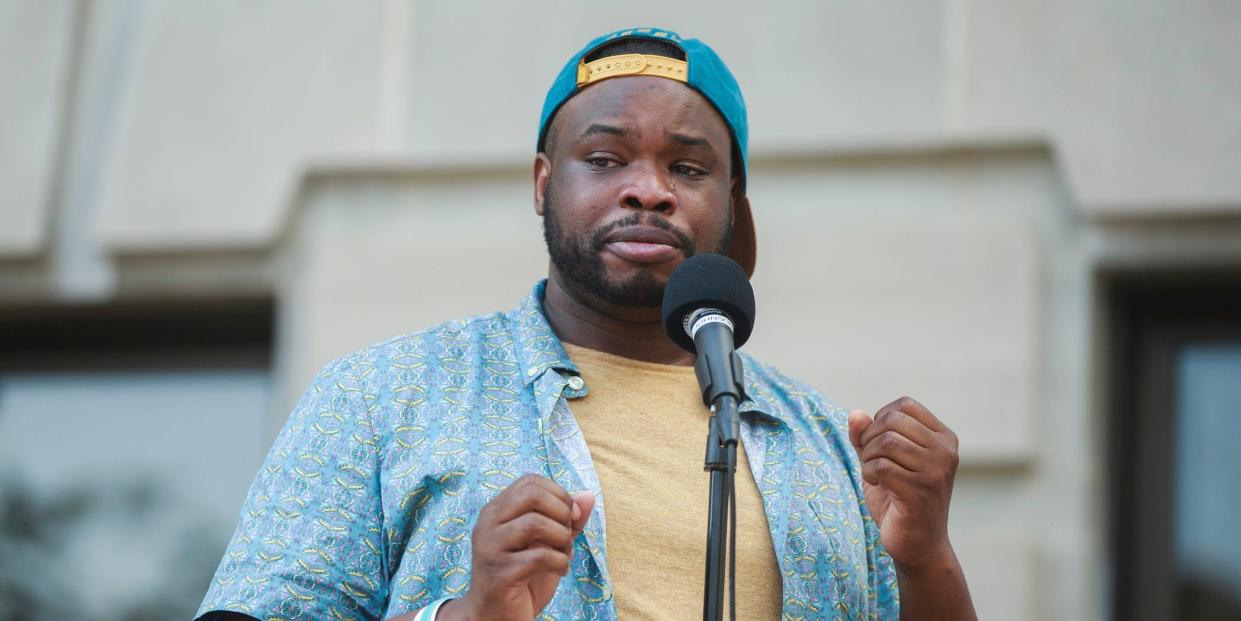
<point x="538" y="347"/>
<point x="760" y="398"/>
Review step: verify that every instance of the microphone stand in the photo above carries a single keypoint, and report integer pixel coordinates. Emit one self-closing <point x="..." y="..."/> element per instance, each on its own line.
<point x="722" y="392"/>
<point x="721" y="462"/>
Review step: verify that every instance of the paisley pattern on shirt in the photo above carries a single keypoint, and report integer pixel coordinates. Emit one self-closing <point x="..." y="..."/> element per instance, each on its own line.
<point x="364" y="507"/>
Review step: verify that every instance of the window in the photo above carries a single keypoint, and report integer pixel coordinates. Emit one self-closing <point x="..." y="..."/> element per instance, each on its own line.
<point x="128" y="439"/>
<point x="1174" y="426"/>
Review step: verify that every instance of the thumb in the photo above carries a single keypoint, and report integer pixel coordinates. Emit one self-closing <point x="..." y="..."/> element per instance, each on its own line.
<point x="859" y="420"/>
<point x="583" y="504"/>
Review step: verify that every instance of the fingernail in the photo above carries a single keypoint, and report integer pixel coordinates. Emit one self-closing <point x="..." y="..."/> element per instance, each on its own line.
<point x="577" y="512"/>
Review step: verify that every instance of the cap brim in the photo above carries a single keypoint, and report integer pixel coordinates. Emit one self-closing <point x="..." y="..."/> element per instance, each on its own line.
<point x="744" y="246"/>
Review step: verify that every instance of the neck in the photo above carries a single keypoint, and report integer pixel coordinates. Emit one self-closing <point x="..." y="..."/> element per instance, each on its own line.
<point x="637" y="334"/>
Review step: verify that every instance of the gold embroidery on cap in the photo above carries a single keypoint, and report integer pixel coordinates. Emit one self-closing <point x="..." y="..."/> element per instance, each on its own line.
<point x="632" y="64"/>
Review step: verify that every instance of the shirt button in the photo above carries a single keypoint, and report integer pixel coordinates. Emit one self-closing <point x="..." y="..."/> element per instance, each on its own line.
<point x="576" y="382"/>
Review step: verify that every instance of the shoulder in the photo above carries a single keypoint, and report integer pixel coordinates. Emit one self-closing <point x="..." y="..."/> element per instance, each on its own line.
<point x="454" y="339"/>
<point x="393" y="377"/>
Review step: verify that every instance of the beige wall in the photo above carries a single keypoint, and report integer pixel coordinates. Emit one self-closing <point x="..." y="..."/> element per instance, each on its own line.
<point x="935" y="184"/>
<point x="35" y="45"/>
<point x="208" y="114"/>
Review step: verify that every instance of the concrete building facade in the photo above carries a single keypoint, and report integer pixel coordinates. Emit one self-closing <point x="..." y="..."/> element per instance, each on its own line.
<point x="941" y="190"/>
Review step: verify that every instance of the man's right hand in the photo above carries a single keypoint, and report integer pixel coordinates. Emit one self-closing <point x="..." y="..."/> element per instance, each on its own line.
<point x="522" y="545"/>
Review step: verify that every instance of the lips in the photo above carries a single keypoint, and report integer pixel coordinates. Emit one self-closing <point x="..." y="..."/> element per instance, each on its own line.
<point x="643" y="244"/>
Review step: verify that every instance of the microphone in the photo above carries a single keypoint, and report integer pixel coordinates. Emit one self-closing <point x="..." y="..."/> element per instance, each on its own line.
<point x="708" y="310"/>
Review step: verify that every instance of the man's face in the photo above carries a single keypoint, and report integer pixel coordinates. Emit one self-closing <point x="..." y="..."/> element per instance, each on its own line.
<point x="636" y="179"/>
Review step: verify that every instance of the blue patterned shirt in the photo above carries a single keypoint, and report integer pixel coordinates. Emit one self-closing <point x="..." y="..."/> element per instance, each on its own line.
<point x="363" y="508"/>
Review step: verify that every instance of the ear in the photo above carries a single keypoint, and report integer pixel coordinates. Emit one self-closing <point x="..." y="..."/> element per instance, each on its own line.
<point x="542" y="173"/>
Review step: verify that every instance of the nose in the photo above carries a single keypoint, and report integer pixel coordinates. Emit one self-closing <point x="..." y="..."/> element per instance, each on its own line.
<point x="648" y="189"/>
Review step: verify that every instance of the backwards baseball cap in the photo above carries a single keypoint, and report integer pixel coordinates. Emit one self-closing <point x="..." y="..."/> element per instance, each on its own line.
<point x="702" y="70"/>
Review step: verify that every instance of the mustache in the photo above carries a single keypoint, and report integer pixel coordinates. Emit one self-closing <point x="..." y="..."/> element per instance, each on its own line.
<point x="649" y="219"/>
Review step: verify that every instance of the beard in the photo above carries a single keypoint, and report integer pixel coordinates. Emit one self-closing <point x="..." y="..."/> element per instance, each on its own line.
<point x="579" y="257"/>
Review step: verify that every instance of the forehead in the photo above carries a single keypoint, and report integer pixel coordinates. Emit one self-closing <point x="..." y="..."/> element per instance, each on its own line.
<point x="642" y="103"/>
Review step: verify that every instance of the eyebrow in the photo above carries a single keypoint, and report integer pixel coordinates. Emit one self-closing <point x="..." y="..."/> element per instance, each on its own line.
<point x="690" y="141"/>
<point x="599" y="128"/>
<point x="677" y="137"/>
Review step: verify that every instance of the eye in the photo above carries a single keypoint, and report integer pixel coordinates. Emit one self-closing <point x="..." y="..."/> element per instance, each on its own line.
<point x="688" y="170"/>
<point x="601" y="162"/>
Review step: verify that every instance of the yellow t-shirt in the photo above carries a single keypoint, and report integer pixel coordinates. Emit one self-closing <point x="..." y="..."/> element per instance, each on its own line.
<point x="646" y="428"/>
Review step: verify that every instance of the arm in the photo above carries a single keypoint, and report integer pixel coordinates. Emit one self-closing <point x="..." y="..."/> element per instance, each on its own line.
<point x="935" y="590"/>
<point x="909" y="460"/>
<point x="309" y="538"/>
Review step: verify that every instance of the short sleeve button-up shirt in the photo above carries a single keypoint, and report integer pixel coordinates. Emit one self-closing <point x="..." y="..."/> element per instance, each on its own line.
<point x="364" y="506"/>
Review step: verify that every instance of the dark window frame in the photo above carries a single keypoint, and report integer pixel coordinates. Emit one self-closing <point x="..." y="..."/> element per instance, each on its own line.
<point x="172" y="335"/>
<point x="1152" y="315"/>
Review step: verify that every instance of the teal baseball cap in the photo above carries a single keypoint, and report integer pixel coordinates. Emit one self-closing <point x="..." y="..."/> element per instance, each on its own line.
<point x="701" y="69"/>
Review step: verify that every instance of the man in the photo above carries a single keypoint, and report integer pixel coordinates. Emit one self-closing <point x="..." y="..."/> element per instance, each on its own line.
<point x="546" y="462"/>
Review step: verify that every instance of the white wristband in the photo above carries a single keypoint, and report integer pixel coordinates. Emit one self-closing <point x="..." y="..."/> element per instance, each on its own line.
<point x="428" y="613"/>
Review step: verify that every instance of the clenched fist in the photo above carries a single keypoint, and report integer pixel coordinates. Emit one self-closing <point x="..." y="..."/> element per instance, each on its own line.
<point x="909" y="460"/>
<point x="522" y="545"/>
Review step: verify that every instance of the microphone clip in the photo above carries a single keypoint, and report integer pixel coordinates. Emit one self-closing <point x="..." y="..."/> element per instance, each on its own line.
<point x="716" y="384"/>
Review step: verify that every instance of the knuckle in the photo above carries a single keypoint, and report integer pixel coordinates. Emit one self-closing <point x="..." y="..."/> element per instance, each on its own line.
<point x="888" y="440"/>
<point x="527" y="528"/>
<point x="548" y="557"/>
<point x="919" y="480"/>
<point x="528" y="494"/>
<point x="527" y="482"/>
<point x="489" y="562"/>
<point x="925" y="481"/>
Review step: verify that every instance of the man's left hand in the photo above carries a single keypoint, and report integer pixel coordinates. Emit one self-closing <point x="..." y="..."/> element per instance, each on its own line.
<point x="909" y="460"/>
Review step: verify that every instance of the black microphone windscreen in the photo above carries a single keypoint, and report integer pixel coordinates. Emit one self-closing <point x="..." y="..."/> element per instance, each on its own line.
<point x="708" y="281"/>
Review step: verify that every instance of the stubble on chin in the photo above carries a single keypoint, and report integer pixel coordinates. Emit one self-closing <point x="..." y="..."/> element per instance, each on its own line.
<point x="579" y="261"/>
